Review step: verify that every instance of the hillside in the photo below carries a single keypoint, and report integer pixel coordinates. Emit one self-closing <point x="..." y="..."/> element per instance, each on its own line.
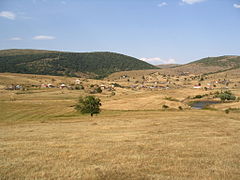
<point x="232" y="74"/>
<point x="163" y="66"/>
<point x="94" y="65"/>
<point x="209" y="65"/>
<point x="12" y="52"/>
<point x="222" y="62"/>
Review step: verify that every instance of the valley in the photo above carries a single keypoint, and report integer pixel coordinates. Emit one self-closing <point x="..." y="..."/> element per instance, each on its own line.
<point x="119" y="90"/>
<point x="146" y="129"/>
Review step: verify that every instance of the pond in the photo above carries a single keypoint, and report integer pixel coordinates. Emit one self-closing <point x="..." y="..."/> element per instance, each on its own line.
<point x="202" y="104"/>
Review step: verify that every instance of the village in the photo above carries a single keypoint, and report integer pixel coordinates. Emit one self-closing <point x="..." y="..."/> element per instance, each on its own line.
<point x="167" y="87"/>
<point x="153" y="81"/>
<point x="133" y="108"/>
<point x="119" y="90"/>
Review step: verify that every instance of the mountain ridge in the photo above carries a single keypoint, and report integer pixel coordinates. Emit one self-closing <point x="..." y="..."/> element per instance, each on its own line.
<point x="101" y="64"/>
<point x="89" y="64"/>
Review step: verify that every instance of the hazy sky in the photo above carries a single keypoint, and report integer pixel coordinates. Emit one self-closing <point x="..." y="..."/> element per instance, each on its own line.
<point x="158" y="31"/>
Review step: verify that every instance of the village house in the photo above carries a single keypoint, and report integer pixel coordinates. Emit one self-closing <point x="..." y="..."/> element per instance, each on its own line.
<point x="77" y="81"/>
<point x="197" y="87"/>
<point x="50" y="86"/>
<point x="44" y="86"/>
<point x="14" y="87"/>
<point x="102" y="87"/>
<point x="47" y="86"/>
<point x="62" y="86"/>
<point x="18" y="87"/>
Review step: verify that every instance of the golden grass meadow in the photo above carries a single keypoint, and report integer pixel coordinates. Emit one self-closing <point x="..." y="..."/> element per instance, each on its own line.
<point x="43" y="137"/>
<point x="120" y="90"/>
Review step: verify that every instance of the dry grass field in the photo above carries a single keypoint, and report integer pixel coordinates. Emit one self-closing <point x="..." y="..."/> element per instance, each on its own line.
<point x="124" y="145"/>
<point x="43" y="137"/>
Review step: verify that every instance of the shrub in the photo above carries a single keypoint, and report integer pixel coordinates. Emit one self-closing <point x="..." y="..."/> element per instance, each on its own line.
<point x="227" y="95"/>
<point x="94" y="90"/>
<point x="227" y="111"/>
<point x="98" y="90"/>
<point x="116" y="85"/>
<point x="171" y="99"/>
<point x="113" y="93"/>
<point x="198" y="96"/>
<point x="79" y="87"/>
<point x="88" y="105"/>
<point x="165" y="106"/>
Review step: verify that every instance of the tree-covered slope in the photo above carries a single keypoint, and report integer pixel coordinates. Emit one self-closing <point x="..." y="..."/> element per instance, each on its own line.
<point x="96" y="64"/>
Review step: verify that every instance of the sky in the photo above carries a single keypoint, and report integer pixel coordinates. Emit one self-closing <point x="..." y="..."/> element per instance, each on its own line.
<point x="156" y="31"/>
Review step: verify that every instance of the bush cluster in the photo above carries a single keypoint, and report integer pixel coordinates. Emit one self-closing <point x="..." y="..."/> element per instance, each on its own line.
<point x="226" y="96"/>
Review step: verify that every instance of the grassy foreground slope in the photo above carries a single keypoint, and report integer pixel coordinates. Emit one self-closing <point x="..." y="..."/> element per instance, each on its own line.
<point x="96" y="64"/>
<point x="43" y="137"/>
<point x="156" y="145"/>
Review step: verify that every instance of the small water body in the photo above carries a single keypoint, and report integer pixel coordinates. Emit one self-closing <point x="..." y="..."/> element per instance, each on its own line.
<point x="203" y="104"/>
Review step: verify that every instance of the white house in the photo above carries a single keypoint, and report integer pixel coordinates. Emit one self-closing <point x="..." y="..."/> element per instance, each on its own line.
<point x="77" y="81"/>
<point x="197" y="87"/>
<point x="62" y="86"/>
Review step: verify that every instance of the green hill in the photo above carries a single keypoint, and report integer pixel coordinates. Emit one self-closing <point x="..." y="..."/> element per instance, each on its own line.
<point x="222" y="61"/>
<point x="95" y="65"/>
<point x="207" y="65"/>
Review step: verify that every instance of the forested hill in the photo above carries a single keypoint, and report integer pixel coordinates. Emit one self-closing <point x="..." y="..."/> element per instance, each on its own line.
<point x="95" y="64"/>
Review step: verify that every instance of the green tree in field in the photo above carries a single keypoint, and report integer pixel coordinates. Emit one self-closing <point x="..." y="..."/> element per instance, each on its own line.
<point x="88" y="105"/>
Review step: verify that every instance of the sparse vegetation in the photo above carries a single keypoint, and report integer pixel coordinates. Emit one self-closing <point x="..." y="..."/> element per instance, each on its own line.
<point x="165" y="106"/>
<point x="94" y="89"/>
<point x="79" y="87"/>
<point x="227" y="111"/>
<point x="224" y="61"/>
<point x="171" y="99"/>
<point x="113" y="93"/>
<point x="199" y="96"/>
<point x="226" y="96"/>
<point x="116" y="85"/>
<point x="98" y="90"/>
